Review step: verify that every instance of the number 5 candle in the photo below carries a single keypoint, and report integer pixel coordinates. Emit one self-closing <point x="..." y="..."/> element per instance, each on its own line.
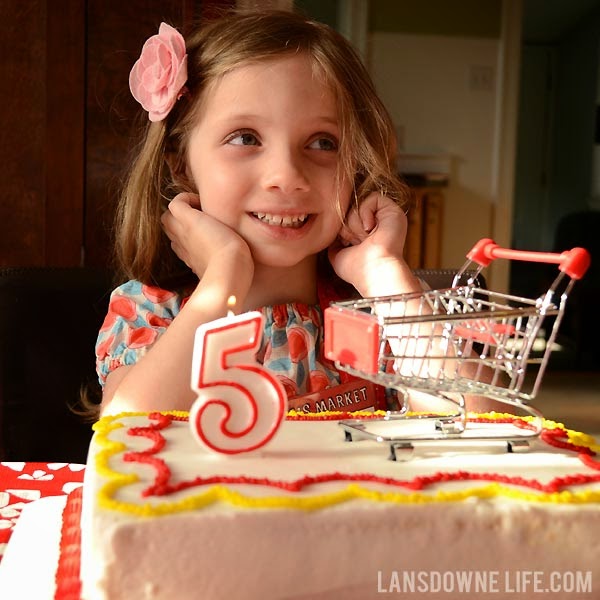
<point x="240" y="404"/>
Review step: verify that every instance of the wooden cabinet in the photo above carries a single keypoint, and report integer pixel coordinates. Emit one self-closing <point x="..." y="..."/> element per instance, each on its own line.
<point x="67" y="127"/>
<point x="67" y="120"/>
<point x="423" y="248"/>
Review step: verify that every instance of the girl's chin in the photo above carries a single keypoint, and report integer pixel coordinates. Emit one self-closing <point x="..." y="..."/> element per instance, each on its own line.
<point x="278" y="259"/>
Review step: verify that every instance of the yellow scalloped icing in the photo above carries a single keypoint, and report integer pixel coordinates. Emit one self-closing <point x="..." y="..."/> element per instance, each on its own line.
<point x="354" y="491"/>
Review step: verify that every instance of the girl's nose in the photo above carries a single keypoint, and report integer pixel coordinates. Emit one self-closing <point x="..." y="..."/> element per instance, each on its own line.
<point x="285" y="170"/>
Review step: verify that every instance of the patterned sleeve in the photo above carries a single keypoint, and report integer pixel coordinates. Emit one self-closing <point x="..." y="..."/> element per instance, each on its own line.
<point x="137" y="315"/>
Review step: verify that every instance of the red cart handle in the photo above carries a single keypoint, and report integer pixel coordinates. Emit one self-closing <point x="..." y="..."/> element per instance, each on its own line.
<point x="574" y="262"/>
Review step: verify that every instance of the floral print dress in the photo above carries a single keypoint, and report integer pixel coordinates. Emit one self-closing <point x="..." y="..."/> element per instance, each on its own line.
<point x="292" y="346"/>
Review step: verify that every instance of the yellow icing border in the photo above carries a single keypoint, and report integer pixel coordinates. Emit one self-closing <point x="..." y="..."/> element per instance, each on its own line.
<point x="354" y="491"/>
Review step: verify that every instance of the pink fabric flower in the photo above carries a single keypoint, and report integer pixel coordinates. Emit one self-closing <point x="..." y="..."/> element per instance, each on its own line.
<point x="160" y="73"/>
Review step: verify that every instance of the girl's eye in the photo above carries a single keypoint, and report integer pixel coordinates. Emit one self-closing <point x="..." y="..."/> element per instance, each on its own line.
<point x="328" y="144"/>
<point x="243" y="138"/>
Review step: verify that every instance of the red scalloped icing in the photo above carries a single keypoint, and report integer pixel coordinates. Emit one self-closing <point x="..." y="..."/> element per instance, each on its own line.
<point x="68" y="584"/>
<point x="163" y="485"/>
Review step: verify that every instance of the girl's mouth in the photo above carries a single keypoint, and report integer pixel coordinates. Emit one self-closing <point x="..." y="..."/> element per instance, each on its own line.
<point x="290" y="221"/>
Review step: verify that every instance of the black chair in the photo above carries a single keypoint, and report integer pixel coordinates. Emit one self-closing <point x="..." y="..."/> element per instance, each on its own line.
<point x="49" y="321"/>
<point x="580" y="328"/>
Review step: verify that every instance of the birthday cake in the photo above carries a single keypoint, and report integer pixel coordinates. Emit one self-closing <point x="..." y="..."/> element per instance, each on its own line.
<point x="312" y="515"/>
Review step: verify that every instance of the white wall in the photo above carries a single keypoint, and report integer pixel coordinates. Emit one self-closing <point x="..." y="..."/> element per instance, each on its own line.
<point x="426" y="83"/>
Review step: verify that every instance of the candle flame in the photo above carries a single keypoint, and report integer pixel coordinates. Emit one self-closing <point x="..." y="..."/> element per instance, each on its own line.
<point x="231" y="302"/>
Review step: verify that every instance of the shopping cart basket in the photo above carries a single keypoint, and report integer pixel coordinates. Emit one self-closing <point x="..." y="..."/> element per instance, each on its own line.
<point x="451" y="343"/>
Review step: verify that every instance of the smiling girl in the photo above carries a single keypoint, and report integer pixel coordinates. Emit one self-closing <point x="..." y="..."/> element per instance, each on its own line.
<point x="267" y="173"/>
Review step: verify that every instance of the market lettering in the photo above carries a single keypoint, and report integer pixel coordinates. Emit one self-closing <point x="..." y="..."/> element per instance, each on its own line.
<point x="342" y="401"/>
<point x="352" y="396"/>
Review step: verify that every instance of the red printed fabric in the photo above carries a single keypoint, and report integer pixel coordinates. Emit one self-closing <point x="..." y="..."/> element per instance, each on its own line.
<point x="292" y="347"/>
<point x="21" y="483"/>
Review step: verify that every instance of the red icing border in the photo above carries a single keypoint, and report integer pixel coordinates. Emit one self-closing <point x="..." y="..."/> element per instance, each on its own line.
<point x="163" y="485"/>
<point x="68" y="585"/>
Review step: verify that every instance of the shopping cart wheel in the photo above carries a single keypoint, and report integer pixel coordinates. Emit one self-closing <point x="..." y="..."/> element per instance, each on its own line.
<point x="400" y="451"/>
<point x="353" y="429"/>
<point x="517" y="445"/>
<point x="450" y="427"/>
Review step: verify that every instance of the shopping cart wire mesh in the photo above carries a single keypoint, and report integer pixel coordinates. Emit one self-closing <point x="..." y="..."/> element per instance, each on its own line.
<point x="458" y="341"/>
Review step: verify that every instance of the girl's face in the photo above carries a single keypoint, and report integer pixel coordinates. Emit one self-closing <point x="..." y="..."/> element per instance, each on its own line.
<point x="264" y="157"/>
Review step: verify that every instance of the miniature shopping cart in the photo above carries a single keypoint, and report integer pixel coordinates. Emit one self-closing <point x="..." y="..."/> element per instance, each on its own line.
<point x="451" y="343"/>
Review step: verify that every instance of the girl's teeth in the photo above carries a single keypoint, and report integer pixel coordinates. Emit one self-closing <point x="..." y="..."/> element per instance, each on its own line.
<point x="281" y="220"/>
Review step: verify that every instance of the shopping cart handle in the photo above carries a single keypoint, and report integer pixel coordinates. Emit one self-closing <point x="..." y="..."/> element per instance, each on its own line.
<point x="574" y="262"/>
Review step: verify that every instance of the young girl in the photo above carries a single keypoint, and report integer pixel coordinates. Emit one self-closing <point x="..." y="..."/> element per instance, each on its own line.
<point x="268" y="173"/>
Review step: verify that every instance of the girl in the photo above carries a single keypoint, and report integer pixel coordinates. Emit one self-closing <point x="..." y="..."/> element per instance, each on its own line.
<point x="267" y="173"/>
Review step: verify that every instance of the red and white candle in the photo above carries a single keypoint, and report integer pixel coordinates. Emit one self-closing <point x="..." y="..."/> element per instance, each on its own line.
<point x="240" y="404"/>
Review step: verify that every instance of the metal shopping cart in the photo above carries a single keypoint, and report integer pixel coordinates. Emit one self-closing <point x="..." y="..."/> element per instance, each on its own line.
<point x="451" y="343"/>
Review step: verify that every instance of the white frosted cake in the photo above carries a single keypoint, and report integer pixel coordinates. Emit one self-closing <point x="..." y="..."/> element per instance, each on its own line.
<point x="314" y="516"/>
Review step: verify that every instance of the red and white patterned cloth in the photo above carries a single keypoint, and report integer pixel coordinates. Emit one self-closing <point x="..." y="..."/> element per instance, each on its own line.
<point x="24" y="482"/>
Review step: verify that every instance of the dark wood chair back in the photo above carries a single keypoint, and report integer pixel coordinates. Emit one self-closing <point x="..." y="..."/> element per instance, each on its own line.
<point x="49" y="321"/>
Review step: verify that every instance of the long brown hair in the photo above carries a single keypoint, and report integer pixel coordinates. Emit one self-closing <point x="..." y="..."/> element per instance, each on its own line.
<point x="367" y="140"/>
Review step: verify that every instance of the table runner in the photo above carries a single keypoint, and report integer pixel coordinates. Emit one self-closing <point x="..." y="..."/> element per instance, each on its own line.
<point x="24" y="482"/>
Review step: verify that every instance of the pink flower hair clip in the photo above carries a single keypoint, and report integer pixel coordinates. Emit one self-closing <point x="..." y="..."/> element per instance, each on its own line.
<point x="158" y="77"/>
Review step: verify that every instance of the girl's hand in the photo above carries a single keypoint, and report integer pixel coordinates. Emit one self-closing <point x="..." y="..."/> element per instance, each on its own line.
<point x="224" y="265"/>
<point x="368" y="251"/>
<point x="196" y="237"/>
